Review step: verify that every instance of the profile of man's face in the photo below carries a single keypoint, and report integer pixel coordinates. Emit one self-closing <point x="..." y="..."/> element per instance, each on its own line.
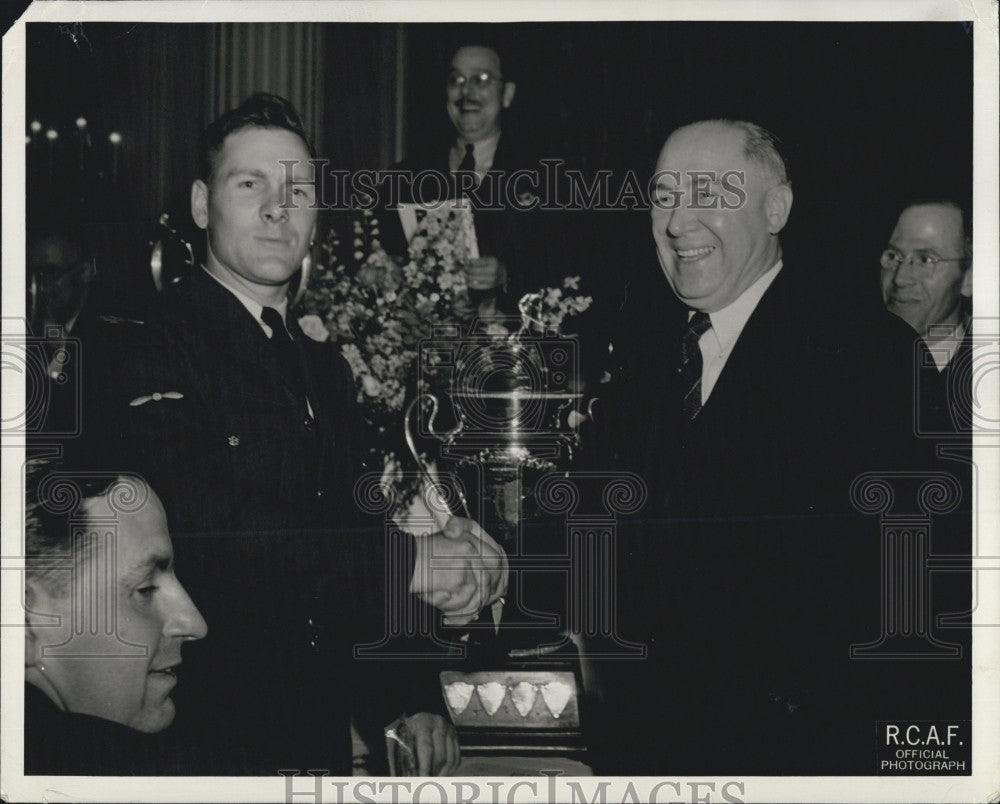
<point x="925" y="300"/>
<point x="259" y="215"/>
<point x="710" y="252"/>
<point x="475" y="110"/>
<point x="123" y="673"/>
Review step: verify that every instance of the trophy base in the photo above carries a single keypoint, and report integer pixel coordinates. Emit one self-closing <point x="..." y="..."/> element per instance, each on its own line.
<point x="518" y="698"/>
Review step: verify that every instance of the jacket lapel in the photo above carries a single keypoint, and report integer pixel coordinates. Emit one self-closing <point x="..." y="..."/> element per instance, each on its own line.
<point x="230" y="340"/>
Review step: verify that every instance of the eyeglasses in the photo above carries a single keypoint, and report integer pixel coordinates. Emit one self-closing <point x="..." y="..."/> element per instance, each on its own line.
<point x="480" y="80"/>
<point x="923" y="263"/>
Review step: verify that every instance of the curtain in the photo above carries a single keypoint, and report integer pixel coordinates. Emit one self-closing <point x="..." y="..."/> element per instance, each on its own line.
<point x="284" y="59"/>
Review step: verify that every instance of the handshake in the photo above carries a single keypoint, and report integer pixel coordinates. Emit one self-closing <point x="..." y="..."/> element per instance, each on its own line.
<point x="459" y="570"/>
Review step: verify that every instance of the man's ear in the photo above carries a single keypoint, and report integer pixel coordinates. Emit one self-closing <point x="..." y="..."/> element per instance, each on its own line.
<point x="967" y="283"/>
<point x="199" y="203"/>
<point x="508" y="93"/>
<point x="778" y="205"/>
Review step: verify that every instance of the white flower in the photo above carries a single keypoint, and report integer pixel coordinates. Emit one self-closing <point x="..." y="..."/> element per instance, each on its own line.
<point x="572" y="282"/>
<point x="497" y="330"/>
<point x="312" y="325"/>
<point x="371" y="385"/>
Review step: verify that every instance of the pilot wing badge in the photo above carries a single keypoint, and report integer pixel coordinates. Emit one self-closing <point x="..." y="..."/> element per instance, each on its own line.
<point x="156" y="396"/>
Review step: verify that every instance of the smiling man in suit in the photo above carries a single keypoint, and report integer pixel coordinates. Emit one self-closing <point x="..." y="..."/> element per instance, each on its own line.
<point x="927" y="281"/>
<point x="493" y="168"/>
<point x="748" y="408"/>
<point x="253" y="433"/>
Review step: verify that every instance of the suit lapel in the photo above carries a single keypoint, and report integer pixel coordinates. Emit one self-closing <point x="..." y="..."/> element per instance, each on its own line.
<point x="753" y="357"/>
<point x="229" y="340"/>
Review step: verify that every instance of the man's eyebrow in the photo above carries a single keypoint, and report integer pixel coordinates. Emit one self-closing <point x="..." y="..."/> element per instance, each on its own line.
<point x="157" y="561"/>
<point x="256" y="173"/>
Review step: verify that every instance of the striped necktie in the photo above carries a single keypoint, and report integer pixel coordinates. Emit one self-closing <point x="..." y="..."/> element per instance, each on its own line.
<point x="691" y="363"/>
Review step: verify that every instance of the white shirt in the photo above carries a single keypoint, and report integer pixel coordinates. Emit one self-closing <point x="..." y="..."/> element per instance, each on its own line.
<point x="482" y="151"/>
<point x="943" y="341"/>
<point x="718" y="341"/>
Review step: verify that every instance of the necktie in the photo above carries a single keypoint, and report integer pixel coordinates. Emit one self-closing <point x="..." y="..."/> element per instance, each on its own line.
<point x="468" y="161"/>
<point x="284" y="346"/>
<point x="691" y="363"/>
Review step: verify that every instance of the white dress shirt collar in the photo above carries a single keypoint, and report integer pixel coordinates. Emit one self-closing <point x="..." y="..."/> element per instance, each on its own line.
<point x="728" y="323"/>
<point x="254" y="307"/>
<point x="943" y="341"/>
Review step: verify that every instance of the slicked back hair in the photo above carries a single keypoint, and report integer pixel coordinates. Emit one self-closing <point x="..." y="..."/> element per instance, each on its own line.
<point x="761" y="147"/>
<point x="260" y="110"/>
<point x="53" y="502"/>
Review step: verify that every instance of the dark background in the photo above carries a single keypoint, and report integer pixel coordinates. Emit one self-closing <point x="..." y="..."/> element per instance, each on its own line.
<point x="872" y="114"/>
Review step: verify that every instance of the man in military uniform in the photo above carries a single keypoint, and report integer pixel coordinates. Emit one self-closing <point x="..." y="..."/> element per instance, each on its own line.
<point x="252" y="435"/>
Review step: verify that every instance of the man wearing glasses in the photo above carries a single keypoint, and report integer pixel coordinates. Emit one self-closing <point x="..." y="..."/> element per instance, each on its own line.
<point x="927" y="282"/>
<point x="927" y="276"/>
<point x="481" y="163"/>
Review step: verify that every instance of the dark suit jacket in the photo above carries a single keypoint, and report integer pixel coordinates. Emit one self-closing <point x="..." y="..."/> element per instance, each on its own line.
<point x="945" y="397"/>
<point x="269" y="540"/>
<point x="748" y="574"/>
<point x="58" y="743"/>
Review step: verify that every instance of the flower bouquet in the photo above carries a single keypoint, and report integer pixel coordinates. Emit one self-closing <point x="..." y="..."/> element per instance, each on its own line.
<point x="381" y="311"/>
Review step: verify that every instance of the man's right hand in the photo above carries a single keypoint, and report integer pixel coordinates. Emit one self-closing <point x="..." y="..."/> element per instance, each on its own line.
<point x="459" y="570"/>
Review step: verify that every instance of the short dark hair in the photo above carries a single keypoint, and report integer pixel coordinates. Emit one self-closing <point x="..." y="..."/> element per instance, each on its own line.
<point x="260" y="110"/>
<point x="54" y="498"/>
<point x="963" y="214"/>
<point x="502" y="38"/>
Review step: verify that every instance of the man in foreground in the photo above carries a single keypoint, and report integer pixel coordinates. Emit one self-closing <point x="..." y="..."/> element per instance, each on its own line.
<point x="252" y="432"/>
<point x="102" y="649"/>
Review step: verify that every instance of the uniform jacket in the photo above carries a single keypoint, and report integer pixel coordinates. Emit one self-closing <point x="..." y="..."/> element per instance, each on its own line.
<point x="269" y="541"/>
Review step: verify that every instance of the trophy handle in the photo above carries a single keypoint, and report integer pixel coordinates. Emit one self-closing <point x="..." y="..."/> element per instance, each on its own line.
<point x="425" y="470"/>
<point x="168" y="235"/>
<point x="590" y="406"/>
